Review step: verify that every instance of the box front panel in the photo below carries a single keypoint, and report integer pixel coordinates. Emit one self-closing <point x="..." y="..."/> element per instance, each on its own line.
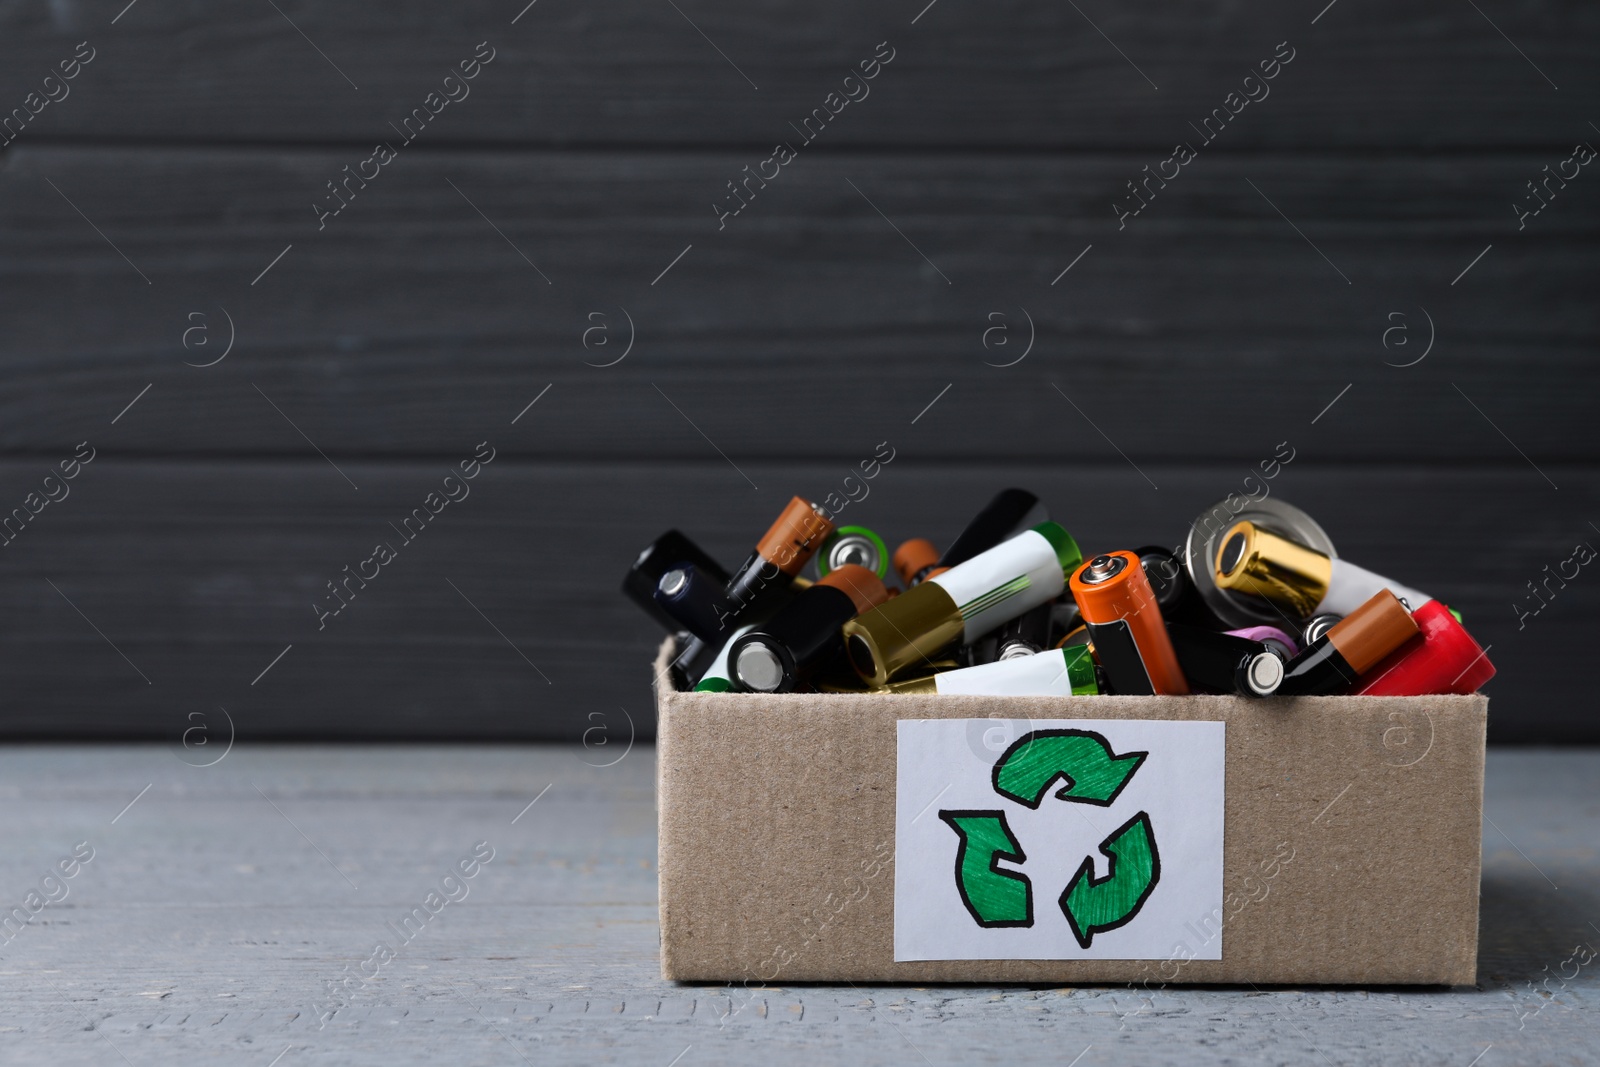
<point x="1351" y="834"/>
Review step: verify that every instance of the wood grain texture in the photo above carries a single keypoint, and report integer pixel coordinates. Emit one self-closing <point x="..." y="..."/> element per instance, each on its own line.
<point x="202" y="573"/>
<point x="806" y="321"/>
<point x="1014" y="74"/>
<point x="859" y="298"/>
<point x="206" y="925"/>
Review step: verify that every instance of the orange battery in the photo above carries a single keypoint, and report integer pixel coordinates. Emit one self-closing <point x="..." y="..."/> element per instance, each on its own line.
<point x="1130" y="638"/>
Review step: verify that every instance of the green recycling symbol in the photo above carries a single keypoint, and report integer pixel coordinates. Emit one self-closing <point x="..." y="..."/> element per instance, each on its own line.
<point x="1091" y="774"/>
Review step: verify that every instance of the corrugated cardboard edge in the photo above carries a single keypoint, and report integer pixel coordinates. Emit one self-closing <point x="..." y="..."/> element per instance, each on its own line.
<point x="774" y="813"/>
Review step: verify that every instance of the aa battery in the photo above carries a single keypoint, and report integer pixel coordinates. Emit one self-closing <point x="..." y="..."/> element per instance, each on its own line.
<point x="803" y="637"/>
<point x="672" y="549"/>
<point x="983" y="650"/>
<point x="1026" y="635"/>
<point x="785" y="548"/>
<point x="1277" y="640"/>
<point x="694" y="600"/>
<point x="1168" y="580"/>
<point x="961" y="604"/>
<point x="1063" y="617"/>
<point x="1009" y="513"/>
<point x="1301" y="580"/>
<point x="853" y="545"/>
<point x="1215" y="662"/>
<point x="690" y="658"/>
<point x="716" y="678"/>
<point x="1125" y="624"/>
<point x="914" y="560"/>
<point x="1352" y="647"/>
<point x="1446" y="660"/>
<point x="1318" y="625"/>
<point x="1059" y="672"/>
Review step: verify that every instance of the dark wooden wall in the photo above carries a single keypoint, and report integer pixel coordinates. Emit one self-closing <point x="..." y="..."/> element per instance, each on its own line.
<point x="1254" y="290"/>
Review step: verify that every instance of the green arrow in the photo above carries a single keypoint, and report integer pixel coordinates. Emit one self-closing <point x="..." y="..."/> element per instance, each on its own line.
<point x="1094" y="906"/>
<point x="1094" y="775"/>
<point x="995" y="898"/>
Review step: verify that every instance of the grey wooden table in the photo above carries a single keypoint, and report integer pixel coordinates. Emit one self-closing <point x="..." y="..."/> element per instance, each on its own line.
<point x="212" y="914"/>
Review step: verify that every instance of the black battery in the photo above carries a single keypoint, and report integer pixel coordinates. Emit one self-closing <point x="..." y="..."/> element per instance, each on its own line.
<point x="672" y="549"/>
<point x="1175" y="594"/>
<point x="799" y="640"/>
<point x="1026" y="635"/>
<point x="1222" y="663"/>
<point x="691" y="659"/>
<point x="1318" y="625"/>
<point x="1008" y="514"/>
<point x="983" y="650"/>
<point x="697" y="603"/>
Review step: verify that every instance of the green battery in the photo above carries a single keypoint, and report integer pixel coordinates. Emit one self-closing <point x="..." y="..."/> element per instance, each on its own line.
<point x="1058" y="672"/>
<point x="853" y="544"/>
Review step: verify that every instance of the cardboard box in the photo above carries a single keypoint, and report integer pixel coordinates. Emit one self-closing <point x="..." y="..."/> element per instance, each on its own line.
<point x="1349" y="848"/>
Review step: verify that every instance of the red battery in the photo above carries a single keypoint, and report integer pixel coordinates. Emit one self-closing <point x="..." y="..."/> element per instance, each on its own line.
<point x="1130" y="639"/>
<point x="1446" y="660"/>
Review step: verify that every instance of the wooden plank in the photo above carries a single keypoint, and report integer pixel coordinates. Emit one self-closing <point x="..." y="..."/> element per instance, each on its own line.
<point x="1015" y="74"/>
<point x="502" y="618"/>
<point x="206" y="928"/>
<point x="409" y="322"/>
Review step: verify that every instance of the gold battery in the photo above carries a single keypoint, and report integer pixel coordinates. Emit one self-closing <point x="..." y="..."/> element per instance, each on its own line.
<point x="911" y="629"/>
<point x="1259" y="562"/>
<point x="924" y="684"/>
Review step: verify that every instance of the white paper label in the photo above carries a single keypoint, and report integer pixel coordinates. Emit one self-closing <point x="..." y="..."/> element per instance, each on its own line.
<point x="1058" y="839"/>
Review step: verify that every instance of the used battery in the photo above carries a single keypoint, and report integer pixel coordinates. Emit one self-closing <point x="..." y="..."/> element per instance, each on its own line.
<point x="1318" y="625"/>
<point x="914" y="560"/>
<point x="1351" y="647"/>
<point x="1168" y="580"/>
<point x="962" y="604"/>
<point x="1215" y="662"/>
<point x="672" y="549"/>
<point x="1057" y="672"/>
<point x="856" y="545"/>
<point x="694" y="601"/>
<point x="804" y="636"/>
<point x="787" y="546"/>
<point x="716" y="678"/>
<point x="1277" y="640"/>
<point x="1225" y="609"/>
<point x="1008" y="514"/>
<point x="690" y="658"/>
<point x="1301" y="580"/>
<point x="1026" y="635"/>
<point x="1446" y="660"/>
<point x="1130" y="639"/>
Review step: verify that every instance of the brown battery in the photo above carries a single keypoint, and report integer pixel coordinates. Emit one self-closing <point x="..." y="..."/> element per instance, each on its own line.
<point x="794" y="538"/>
<point x="768" y="576"/>
<point x="914" y="559"/>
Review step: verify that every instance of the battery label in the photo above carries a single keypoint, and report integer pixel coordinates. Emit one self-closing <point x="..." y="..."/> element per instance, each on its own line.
<point x="993" y="597"/>
<point x="1052" y="673"/>
<point x="1119" y="654"/>
<point x="1002" y="583"/>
